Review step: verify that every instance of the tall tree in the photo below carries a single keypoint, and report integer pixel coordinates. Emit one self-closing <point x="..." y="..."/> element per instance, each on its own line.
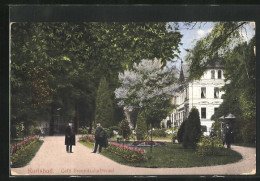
<point x="104" y="105"/>
<point x="240" y="92"/>
<point x="76" y="56"/>
<point x="148" y="86"/>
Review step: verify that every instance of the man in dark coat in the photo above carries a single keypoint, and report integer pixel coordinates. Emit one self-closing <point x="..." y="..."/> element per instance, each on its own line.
<point x="228" y="138"/>
<point x="100" y="138"/>
<point x="69" y="138"/>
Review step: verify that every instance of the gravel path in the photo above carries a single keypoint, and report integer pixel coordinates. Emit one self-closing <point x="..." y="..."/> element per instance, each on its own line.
<point x="52" y="159"/>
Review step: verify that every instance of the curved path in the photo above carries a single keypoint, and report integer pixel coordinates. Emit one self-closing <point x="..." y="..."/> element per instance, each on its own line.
<point x="52" y="159"/>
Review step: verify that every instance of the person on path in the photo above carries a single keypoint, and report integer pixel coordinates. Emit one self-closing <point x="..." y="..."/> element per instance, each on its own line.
<point x="100" y="138"/>
<point x="69" y="138"/>
<point x="228" y="138"/>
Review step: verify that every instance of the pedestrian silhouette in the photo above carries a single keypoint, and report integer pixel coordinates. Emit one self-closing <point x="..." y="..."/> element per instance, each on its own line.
<point x="100" y="138"/>
<point x="69" y="138"/>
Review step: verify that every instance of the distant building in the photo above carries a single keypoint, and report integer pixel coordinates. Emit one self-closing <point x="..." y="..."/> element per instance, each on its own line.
<point x="204" y="94"/>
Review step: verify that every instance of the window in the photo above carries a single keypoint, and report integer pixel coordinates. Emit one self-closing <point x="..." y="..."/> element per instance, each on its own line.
<point x="219" y="74"/>
<point x="203" y="92"/>
<point x="203" y="113"/>
<point x="212" y="74"/>
<point x="216" y="92"/>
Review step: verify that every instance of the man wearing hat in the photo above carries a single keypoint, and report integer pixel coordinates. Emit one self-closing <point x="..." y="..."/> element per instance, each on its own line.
<point x="69" y="138"/>
<point x="100" y="138"/>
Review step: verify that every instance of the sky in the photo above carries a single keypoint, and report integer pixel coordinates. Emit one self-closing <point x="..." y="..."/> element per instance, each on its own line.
<point x="199" y="31"/>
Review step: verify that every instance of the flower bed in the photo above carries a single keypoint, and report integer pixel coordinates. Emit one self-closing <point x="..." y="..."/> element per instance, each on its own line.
<point x="21" y="144"/>
<point x="130" y="154"/>
<point x="148" y="143"/>
<point x="89" y="138"/>
<point x="25" y="152"/>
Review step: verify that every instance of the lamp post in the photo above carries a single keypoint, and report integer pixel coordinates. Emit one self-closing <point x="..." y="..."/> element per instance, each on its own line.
<point x="59" y="118"/>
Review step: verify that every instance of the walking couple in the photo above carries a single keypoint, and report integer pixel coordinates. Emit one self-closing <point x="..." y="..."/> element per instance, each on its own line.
<point x="100" y="138"/>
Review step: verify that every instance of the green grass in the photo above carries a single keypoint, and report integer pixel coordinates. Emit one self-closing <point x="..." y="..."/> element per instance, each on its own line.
<point x="175" y="156"/>
<point x="87" y="144"/>
<point x="28" y="155"/>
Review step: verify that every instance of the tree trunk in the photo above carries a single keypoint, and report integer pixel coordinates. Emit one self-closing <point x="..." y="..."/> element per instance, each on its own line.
<point x="76" y="123"/>
<point x="53" y="118"/>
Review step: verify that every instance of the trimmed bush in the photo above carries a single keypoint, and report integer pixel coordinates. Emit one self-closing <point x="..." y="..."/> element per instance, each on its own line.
<point x="141" y="126"/>
<point x="192" y="130"/>
<point x="181" y="132"/>
<point x="124" y="129"/>
<point x="209" y="146"/>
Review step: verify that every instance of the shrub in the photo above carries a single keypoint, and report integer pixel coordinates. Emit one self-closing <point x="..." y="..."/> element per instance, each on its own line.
<point x="159" y="133"/>
<point x="83" y="130"/>
<point x="116" y="128"/>
<point x="192" y="130"/>
<point x="217" y="128"/>
<point x="124" y="129"/>
<point x="141" y="126"/>
<point x="249" y="131"/>
<point x="109" y="132"/>
<point x="89" y="138"/>
<point x="174" y="136"/>
<point x="130" y="154"/>
<point x="181" y="132"/>
<point x="209" y="146"/>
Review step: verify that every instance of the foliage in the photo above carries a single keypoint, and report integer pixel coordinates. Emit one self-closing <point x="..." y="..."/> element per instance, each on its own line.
<point x="209" y="146"/>
<point x="124" y="129"/>
<point x="159" y="133"/>
<point x="83" y="130"/>
<point x="130" y="154"/>
<point x="192" y="130"/>
<point x="174" y="136"/>
<point x="181" y="130"/>
<point x="217" y="128"/>
<point x="141" y="130"/>
<point x="104" y="105"/>
<point x="214" y="47"/>
<point x="57" y="65"/>
<point x="225" y="45"/>
<point x="149" y="86"/>
<point x="109" y="132"/>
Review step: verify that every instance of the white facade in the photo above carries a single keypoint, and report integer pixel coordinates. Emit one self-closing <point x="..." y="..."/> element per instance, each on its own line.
<point x="204" y="94"/>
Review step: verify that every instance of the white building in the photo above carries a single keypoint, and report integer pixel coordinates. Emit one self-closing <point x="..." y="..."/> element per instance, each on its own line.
<point x="204" y="94"/>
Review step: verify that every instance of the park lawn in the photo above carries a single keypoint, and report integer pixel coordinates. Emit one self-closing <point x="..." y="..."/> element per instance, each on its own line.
<point x="175" y="156"/>
<point x="87" y="144"/>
